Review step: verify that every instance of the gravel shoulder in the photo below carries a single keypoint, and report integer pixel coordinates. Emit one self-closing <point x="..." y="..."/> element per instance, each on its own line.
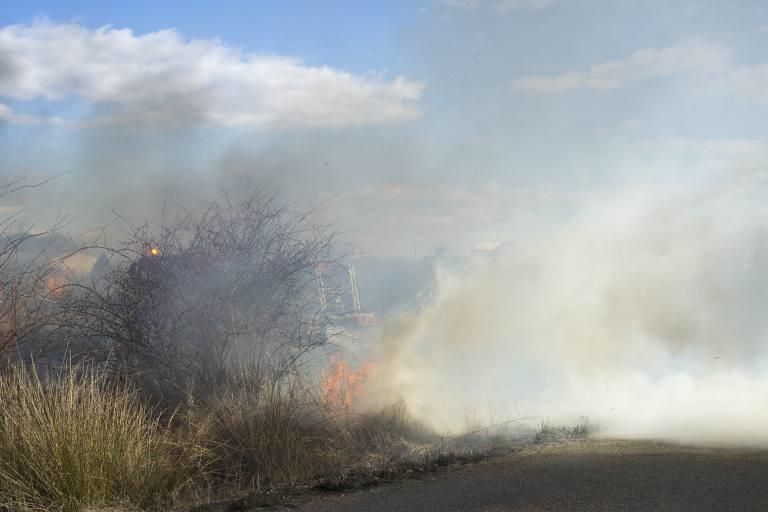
<point x="591" y="475"/>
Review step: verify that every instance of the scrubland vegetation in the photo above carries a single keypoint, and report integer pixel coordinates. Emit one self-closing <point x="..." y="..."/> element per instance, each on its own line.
<point x="79" y="440"/>
<point x="189" y="367"/>
<point x="183" y="370"/>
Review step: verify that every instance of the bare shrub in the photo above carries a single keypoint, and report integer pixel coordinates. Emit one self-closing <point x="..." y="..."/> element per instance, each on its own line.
<point x="194" y="299"/>
<point x="27" y="268"/>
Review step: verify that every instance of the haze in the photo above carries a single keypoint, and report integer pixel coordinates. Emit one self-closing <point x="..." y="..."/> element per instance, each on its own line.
<point x="615" y="151"/>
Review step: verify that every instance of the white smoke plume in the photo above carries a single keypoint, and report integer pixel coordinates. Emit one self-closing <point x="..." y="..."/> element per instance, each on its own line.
<point x="646" y="312"/>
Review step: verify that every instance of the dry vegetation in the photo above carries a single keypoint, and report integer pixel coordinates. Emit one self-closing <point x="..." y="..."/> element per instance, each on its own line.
<point x="180" y="375"/>
<point x="77" y="440"/>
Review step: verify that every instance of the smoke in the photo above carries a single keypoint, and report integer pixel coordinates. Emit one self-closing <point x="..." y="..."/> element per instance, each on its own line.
<point x="644" y="312"/>
<point x="641" y="308"/>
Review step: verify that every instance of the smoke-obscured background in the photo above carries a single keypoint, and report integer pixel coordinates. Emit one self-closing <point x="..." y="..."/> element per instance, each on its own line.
<point x="595" y="170"/>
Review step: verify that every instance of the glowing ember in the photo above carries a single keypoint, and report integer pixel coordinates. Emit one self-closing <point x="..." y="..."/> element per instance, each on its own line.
<point x="341" y="385"/>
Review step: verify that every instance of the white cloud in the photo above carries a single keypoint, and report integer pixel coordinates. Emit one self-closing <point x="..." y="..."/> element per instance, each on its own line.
<point x="497" y="5"/>
<point x="460" y="4"/>
<point x="162" y="77"/>
<point x="721" y="148"/>
<point x="511" y="5"/>
<point x="707" y="65"/>
<point x="692" y="157"/>
<point x="7" y="115"/>
<point x="697" y="60"/>
<point x="747" y="81"/>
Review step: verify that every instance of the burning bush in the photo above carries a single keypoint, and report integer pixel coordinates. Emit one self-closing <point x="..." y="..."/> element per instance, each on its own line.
<point x="187" y="305"/>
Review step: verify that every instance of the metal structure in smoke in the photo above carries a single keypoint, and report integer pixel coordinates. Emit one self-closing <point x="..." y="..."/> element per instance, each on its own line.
<point x="339" y="295"/>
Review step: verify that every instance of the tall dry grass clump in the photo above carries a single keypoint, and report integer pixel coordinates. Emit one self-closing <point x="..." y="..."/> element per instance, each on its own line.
<point x="282" y="435"/>
<point x="76" y="441"/>
<point x="268" y="437"/>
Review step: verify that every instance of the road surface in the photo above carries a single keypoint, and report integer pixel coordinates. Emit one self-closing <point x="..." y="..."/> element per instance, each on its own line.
<point x="588" y="476"/>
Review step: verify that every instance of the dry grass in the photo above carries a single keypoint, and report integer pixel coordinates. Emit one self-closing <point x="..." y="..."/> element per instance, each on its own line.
<point x="75" y="441"/>
<point x="283" y="436"/>
<point x="552" y="433"/>
<point x="264" y="438"/>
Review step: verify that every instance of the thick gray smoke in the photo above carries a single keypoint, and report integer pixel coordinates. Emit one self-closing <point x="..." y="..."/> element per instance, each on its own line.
<point x="646" y="312"/>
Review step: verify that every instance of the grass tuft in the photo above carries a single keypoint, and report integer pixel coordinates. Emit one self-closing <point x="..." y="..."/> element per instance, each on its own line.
<point x="75" y="441"/>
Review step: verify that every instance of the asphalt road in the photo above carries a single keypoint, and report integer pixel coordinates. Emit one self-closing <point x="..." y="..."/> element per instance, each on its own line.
<point x="589" y="476"/>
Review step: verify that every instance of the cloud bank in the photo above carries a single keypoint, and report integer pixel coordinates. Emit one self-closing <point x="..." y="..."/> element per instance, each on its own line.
<point x="707" y="65"/>
<point x="702" y="60"/>
<point x="496" y="5"/>
<point x="160" y="77"/>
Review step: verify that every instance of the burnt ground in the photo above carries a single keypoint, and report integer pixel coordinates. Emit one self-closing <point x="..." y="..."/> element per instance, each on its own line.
<point x="591" y="475"/>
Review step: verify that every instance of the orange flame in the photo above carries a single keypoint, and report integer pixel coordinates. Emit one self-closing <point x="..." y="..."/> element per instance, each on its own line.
<point x="341" y="385"/>
<point x="54" y="283"/>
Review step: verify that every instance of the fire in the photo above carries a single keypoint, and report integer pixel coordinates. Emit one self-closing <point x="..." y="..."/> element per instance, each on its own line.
<point x="154" y="251"/>
<point x="54" y="284"/>
<point x="341" y="385"/>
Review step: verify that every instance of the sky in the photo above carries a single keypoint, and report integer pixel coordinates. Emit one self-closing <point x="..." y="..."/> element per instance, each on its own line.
<point x="416" y="124"/>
